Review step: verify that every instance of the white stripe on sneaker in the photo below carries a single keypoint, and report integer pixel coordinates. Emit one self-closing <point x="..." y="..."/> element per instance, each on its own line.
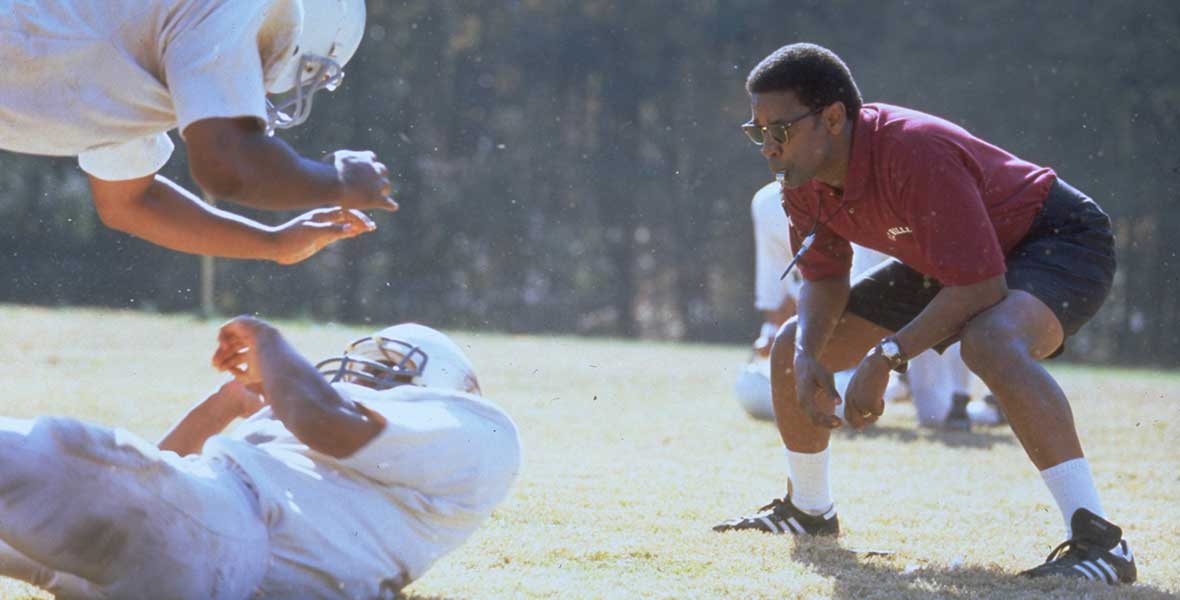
<point x="1081" y="568"/>
<point x="1099" y="574"/>
<point x="771" y="525"/>
<point x="1112" y="578"/>
<point x="795" y="526"/>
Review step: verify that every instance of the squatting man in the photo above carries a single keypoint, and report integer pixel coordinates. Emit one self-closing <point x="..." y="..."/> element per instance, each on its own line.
<point x="347" y="479"/>
<point x="991" y="250"/>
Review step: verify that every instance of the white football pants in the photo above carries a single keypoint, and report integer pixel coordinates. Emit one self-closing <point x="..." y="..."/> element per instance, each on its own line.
<point x="934" y="378"/>
<point x="92" y="512"/>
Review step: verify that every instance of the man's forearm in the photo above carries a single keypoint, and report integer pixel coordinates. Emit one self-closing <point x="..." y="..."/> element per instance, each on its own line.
<point x="948" y="312"/>
<point x="292" y="385"/>
<point x="308" y="406"/>
<point x="272" y="176"/>
<point x="169" y="216"/>
<point x="821" y="303"/>
<point x="203" y="421"/>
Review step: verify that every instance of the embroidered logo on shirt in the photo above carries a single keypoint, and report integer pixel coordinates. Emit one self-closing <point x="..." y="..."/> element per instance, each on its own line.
<point x="893" y="232"/>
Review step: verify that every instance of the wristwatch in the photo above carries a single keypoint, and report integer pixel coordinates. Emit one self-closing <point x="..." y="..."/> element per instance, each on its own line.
<point x="889" y="349"/>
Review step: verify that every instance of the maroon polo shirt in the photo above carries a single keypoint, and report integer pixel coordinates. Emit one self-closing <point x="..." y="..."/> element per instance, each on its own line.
<point x="924" y="190"/>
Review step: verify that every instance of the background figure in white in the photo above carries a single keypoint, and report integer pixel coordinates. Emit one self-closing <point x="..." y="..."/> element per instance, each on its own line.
<point x="774" y="297"/>
<point x="348" y="484"/>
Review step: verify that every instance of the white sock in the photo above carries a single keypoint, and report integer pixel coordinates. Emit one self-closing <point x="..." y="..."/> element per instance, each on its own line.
<point x="1072" y="487"/>
<point x="810" y="490"/>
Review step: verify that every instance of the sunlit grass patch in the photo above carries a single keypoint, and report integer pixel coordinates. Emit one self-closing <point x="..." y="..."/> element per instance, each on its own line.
<point x="633" y="450"/>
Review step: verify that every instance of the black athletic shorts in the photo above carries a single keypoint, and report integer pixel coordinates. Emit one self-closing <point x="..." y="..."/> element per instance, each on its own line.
<point x="1066" y="260"/>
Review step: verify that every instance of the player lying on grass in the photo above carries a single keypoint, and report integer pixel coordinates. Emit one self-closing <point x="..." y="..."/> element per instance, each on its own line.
<point x="105" y="80"/>
<point x="992" y="250"/>
<point x="345" y="484"/>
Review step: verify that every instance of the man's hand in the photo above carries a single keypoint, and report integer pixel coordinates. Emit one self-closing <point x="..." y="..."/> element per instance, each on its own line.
<point x="237" y="349"/>
<point x="866" y="391"/>
<point x="238" y="399"/>
<point x="816" y="391"/>
<point x="307" y="234"/>
<point x="365" y="181"/>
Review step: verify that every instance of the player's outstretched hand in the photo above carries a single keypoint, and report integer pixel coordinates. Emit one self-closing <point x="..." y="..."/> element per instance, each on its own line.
<point x="815" y="391"/>
<point x="365" y="180"/>
<point x="866" y="391"/>
<point x="307" y="234"/>
<point x="237" y="345"/>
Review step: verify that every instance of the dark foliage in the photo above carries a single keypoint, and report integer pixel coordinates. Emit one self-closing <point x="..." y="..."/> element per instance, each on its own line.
<point x="577" y="166"/>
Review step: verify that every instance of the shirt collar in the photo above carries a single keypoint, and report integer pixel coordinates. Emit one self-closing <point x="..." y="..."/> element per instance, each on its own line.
<point x="860" y="156"/>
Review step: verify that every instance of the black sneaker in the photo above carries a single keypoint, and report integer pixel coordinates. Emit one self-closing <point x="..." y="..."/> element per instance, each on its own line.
<point x="957" y="418"/>
<point x="1096" y="552"/>
<point x="780" y="516"/>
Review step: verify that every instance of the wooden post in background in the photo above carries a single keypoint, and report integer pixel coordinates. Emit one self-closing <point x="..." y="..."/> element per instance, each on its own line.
<point x="208" y="308"/>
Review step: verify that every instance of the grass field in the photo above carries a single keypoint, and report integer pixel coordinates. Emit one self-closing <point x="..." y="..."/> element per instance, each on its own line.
<point x="634" y="449"/>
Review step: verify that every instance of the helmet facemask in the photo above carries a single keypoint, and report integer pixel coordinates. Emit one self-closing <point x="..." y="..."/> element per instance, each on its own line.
<point x="315" y="73"/>
<point x="317" y="37"/>
<point x="378" y="363"/>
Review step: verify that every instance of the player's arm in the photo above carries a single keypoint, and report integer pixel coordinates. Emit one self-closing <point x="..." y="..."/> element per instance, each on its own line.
<point x="256" y="354"/>
<point x="948" y="312"/>
<point x="772" y="248"/>
<point x="821" y="303"/>
<point x="233" y="159"/>
<point x="210" y="417"/>
<point x="161" y="212"/>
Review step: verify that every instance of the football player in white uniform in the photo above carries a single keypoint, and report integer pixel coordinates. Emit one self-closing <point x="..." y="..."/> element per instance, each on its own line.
<point x="105" y="80"/>
<point x="774" y="297"/>
<point x="346" y="481"/>
<point x="940" y="385"/>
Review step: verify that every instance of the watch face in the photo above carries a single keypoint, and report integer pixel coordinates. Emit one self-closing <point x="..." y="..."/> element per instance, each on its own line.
<point x="891" y="349"/>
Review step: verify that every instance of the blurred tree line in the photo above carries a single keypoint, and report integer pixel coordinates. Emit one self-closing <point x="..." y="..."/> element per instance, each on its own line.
<point x="577" y="167"/>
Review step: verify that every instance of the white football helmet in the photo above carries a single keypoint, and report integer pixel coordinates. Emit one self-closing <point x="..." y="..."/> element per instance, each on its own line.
<point x="329" y="33"/>
<point x="752" y="390"/>
<point x="408" y="353"/>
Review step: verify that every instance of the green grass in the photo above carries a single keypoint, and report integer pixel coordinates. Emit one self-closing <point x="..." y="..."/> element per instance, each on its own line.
<point x="634" y="449"/>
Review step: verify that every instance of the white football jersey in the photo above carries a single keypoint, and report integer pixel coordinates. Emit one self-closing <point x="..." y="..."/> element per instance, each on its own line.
<point x="366" y="525"/>
<point x="772" y="245"/>
<point x="106" y="79"/>
<point x="772" y="249"/>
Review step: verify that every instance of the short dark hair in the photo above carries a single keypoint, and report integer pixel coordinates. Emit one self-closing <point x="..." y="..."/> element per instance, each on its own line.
<point x="813" y="73"/>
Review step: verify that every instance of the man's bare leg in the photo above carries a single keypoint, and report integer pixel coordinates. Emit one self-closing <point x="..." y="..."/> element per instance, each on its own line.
<point x="853" y="338"/>
<point x="1002" y="346"/>
<point x="807" y="443"/>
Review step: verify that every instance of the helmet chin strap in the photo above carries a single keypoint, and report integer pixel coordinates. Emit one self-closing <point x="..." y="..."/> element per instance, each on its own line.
<point x="324" y="73"/>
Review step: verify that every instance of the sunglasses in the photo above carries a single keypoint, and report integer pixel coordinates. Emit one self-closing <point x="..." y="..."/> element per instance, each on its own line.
<point x="779" y="132"/>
